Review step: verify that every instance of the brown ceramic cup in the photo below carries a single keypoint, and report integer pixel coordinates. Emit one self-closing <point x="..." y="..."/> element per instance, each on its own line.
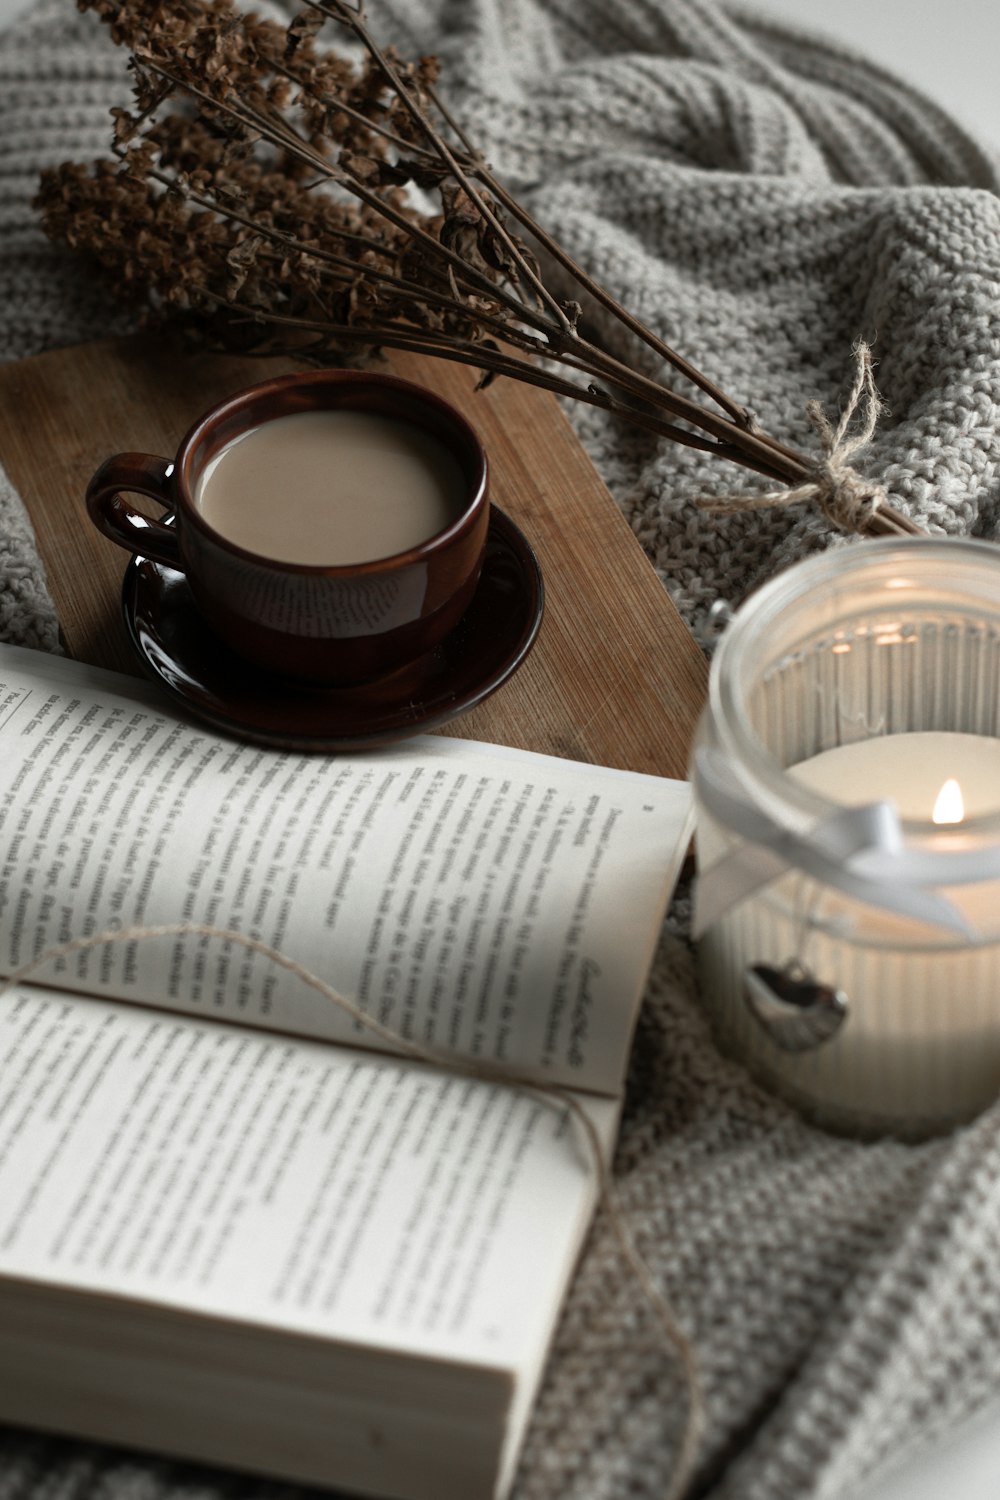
<point x="324" y="623"/>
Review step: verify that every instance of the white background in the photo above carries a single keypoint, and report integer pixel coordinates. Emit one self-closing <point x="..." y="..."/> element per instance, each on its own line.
<point x="950" y="49"/>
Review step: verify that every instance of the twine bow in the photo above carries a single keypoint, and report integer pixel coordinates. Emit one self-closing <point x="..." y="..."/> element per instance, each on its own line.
<point x="845" y="497"/>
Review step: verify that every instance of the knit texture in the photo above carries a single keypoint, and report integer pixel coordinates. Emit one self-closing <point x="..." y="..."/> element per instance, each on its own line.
<point x="762" y="199"/>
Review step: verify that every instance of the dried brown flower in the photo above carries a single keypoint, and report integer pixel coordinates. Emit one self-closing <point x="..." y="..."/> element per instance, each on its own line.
<point x="260" y="193"/>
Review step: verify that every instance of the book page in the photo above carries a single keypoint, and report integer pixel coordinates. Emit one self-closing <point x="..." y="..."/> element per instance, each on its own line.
<point x="476" y="900"/>
<point x="284" y="1182"/>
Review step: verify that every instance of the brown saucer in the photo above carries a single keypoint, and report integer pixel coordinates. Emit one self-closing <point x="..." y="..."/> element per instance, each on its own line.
<point x="490" y="642"/>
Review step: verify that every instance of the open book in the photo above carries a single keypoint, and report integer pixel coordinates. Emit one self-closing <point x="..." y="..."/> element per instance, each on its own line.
<point x="234" y="1225"/>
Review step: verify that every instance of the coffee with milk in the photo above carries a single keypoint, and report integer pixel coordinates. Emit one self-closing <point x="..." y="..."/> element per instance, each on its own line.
<point x="331" y="488"/>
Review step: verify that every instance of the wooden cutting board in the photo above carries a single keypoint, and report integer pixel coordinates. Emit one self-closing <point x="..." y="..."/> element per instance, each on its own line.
<point x="614" y="676"/>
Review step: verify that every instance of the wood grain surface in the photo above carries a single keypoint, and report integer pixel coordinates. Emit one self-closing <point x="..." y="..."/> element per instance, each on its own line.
<point x="614" y="677"/>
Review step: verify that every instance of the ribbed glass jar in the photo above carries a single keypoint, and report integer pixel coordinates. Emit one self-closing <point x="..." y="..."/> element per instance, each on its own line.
<point x="865" y="641"/>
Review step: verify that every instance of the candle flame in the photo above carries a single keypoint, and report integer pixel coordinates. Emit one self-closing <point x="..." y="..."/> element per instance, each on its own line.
<point x="950" y="806"/>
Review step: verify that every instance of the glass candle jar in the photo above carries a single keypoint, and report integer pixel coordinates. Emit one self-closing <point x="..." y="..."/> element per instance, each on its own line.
<point x="848" y="896"/>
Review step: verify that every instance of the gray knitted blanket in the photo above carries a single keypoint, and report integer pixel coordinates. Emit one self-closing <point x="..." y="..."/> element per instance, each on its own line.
<point x="761" y="199"/>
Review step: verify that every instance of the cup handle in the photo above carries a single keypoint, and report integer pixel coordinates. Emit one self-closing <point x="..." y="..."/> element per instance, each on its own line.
<point x="123" y="523"/>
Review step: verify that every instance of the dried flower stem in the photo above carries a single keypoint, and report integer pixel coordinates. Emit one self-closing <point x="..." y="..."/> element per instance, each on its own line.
<point x="277" y="261"/>
<point x="439" y="145"/>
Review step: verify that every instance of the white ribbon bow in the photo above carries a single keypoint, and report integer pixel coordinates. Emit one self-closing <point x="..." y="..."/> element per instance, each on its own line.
<point x="859" y="850"/>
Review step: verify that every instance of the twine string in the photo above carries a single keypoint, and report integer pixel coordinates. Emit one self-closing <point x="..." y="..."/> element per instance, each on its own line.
<point x="551" y="1096"/>
<point x="846" y="498"/>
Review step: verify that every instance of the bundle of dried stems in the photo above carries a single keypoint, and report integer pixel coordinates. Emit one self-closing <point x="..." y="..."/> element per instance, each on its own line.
<point x="260" y="191"/>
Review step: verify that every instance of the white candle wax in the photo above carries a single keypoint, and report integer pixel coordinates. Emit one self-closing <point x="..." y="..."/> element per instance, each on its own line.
<point x="920" y="1047"/>
<point x="910" y="770"/>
